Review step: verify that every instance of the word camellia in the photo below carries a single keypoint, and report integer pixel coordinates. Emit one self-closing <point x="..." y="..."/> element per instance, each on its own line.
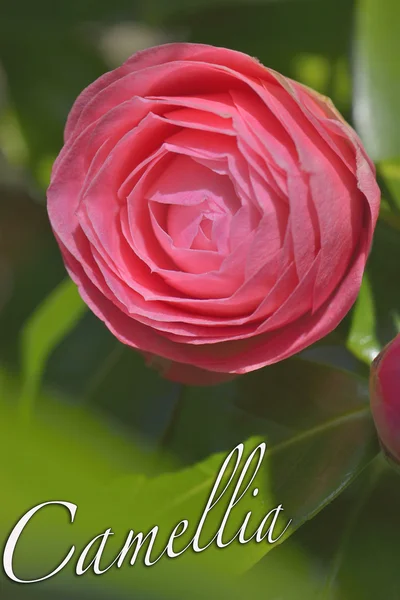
<point x="216" y="215"/>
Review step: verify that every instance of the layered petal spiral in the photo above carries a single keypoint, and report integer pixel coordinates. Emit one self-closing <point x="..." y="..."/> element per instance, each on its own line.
<point x="214" y="214"/>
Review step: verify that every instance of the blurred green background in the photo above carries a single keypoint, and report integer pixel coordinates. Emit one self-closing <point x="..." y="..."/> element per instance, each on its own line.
<point x="82" y="419"/>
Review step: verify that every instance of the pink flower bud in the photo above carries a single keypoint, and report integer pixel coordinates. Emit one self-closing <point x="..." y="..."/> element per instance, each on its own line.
<point x="385" y="398"/>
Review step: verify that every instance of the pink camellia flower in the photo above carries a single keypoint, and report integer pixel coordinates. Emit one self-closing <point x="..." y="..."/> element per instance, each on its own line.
<point x="385" y="398"/>
<point x="216" y="215"/>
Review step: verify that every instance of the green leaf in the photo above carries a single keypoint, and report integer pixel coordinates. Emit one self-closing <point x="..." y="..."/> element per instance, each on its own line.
<point x="390" y="170"/>
<point x="92" y="367"/>
<point x="319" y="436"/>
<point x="376" y="317"/>
<point x="44" y="330"/>
<point x="304" y="411"/>
<point x="377" y="77"/>
<point x="291" y="557"/>
<point x="301" y="409"/>
<point x="359" y="575"/>
<point x="340" y="545"/>
<point x="362" y="339"/>
<point x="280" y="402"/>
<point x="315" y="420"/>
<point x="75" y="455"/>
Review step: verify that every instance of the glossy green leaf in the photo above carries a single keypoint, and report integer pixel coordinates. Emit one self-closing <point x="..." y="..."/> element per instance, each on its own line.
<point x="315" y="420"/>
<point x="306" y="578"/>
<point x="390" y="171"/>
<point x="317" y="426"/>
<point x="44" y="330"/>
<point x="75" y="455"/>
<point x="376" y="316"/>
<point x="362" y="339"/>
<point x="339" y="547"/>
<point x="303" y="410"/>
<point x="376" y="77"/>
<point x="371" y="524"/>
<point x="90" y="366"/>
<point x="279" y="401"/>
